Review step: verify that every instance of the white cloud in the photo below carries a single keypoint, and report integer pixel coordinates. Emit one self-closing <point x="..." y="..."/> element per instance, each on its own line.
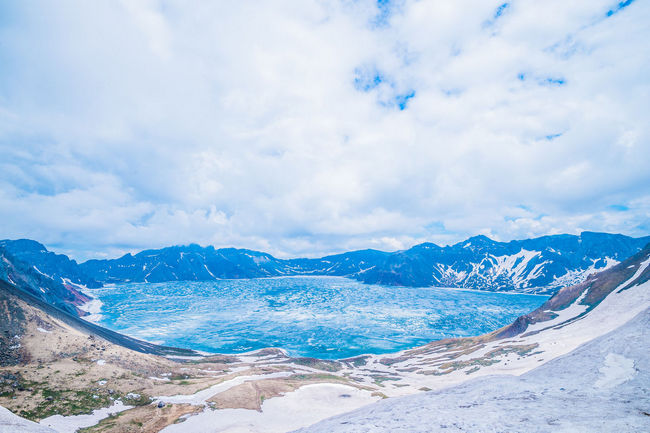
<point x="126" y="125"/>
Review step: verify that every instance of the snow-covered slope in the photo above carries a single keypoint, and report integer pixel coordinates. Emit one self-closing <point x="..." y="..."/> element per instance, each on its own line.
<point x="600" y="387"/>
<point x="579" y="363"/>
<point x="11" y="423"/>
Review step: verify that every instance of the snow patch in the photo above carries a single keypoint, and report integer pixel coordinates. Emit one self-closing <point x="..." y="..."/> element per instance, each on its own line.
<point x="92" y="307"/>
<point x="39" y="271"/>
<point x="10" y="423"/>
<point x="70" y="424"/>
<point x="570" y="312"/>
<point x="616" y="370"/>
<point x="211" y="274"/>
<point x="303" y="407"/>
<point x="202" y="396"/>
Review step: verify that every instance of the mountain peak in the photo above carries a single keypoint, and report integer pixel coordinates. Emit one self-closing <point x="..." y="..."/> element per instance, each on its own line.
<point x="23" y="245"/>
<point x="481" y="238"/>
<point x="476" y="241"/>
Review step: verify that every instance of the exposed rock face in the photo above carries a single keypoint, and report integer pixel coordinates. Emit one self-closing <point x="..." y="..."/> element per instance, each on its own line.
<point x="24" y="276"/>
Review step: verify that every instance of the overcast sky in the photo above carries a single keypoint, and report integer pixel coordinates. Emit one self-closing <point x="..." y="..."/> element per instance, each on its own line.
<point x="306" y="127"/>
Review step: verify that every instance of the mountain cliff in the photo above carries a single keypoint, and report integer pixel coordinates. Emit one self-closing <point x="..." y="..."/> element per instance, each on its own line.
<point x="26" y="277"/>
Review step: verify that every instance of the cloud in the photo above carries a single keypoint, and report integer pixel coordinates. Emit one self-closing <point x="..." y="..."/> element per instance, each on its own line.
<point x="312" y="127"/>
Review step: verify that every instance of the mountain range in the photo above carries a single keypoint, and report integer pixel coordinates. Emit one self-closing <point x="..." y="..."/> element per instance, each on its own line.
<point x="539" y="265"/>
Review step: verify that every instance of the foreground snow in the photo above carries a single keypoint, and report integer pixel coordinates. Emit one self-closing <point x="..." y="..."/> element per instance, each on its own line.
<point x="12" y="423"/>
<point x="600" y="387"/>
<point x="302" y="407"/>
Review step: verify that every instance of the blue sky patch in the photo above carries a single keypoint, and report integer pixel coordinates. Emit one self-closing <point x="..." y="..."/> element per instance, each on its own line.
<point x="386" y="9"/>
<point x="402" y="100"/>
<point x="369" y="78"/>
<point x="546" y="81"/>
<point x="498" y="13"/>
<point x="551" y="81"/>
<point x="452" y="92"/>
<point x="501" y="10"/>
<point x="619" y="7"/>
<point x="366" y="79"/>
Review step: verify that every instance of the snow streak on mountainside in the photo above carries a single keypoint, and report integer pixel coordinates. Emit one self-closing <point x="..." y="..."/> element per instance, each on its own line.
<point x="540" y="265"/>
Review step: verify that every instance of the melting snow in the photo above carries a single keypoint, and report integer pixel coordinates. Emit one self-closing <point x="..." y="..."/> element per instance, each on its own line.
<point x="202" y="396"/>
<point x="70" y="424"/>
<point x="303" y="407"/>
<point x="570" y="312"/>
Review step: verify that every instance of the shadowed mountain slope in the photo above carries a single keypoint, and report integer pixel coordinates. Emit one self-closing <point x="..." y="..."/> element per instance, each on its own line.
<point x="13" y="317"/>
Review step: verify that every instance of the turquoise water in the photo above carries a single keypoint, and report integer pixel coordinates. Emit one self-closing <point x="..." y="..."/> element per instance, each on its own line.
<point x="321" y="317"/>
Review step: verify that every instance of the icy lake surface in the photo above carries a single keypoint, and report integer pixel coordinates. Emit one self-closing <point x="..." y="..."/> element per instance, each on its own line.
<point x="322" y="317"/>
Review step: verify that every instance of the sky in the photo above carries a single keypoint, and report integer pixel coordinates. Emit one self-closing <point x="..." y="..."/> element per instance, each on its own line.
<point x="309" y="127"/>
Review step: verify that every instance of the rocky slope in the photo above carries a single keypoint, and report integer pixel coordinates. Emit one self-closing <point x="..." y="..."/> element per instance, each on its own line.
<point x="575" y="315"/>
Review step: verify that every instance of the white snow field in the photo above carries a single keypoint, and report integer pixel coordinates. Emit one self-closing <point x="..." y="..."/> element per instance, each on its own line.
<point x="70" y="424"/>
<point x="303" y="407"/>
<point x="603" y="386"/>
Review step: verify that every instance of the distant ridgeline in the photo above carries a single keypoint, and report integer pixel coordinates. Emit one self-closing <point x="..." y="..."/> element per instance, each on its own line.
<point x="540" y="265"/>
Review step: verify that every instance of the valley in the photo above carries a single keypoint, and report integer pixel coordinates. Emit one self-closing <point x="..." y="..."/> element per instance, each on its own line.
<point x="58" y="367"/>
